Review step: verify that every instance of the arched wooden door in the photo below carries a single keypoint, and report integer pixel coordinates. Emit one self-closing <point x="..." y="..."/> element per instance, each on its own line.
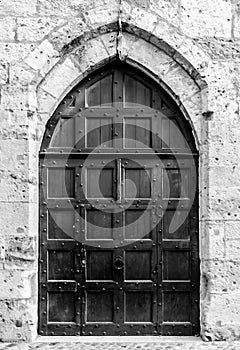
<point x="117" y="169"/>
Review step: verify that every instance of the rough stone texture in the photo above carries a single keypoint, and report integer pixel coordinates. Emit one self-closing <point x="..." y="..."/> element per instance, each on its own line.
<point x="192" y="49"/>
<point x="134" y="344"/>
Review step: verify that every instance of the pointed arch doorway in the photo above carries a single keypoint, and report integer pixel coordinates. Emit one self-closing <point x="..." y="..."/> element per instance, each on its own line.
<point x="118" y="211"/>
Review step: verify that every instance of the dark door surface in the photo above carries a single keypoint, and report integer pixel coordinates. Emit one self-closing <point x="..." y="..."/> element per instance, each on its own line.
<point x="118" y="212"/>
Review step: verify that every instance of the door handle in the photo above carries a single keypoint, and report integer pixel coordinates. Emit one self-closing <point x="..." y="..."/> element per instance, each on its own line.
<point x="118" y="263"/>
<point x="83" y="263"/>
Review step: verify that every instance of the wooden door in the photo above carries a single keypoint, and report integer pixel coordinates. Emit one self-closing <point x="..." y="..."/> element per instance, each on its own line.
<point x="118" y="212"/>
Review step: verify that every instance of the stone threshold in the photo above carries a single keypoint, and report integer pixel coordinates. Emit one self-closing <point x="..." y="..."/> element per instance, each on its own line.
<point x="117" y="339"/>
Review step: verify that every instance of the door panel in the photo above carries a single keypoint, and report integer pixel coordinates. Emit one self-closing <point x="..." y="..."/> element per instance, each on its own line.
<point x="118" y="213"/>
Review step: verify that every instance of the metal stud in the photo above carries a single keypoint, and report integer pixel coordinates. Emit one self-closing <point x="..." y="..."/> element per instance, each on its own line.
<point x="104" y="333"/>
<point x="125" y="333"/>
<point x="138" y="333"/>
<point x="96" y="326"/>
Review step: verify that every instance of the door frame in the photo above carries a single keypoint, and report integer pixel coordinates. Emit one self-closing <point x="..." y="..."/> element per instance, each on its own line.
<point x="50" y="122"/>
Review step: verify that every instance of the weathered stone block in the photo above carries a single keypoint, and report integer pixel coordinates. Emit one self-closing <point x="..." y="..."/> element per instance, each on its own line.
<point x="143" y="19"/>
<point x="14" y="218"/>
<point x="223" y="310"/>
<point x="215" y="274"/>
<point x="18" y="7"/>
<point x="14" y="52"/>
<point x="14" y="98"/>
<point x="15" y="284"/>
<point x="232" y="230"/>
<point x="74" y="8"/>
<point x="205" y="18"/>
<point x="21" y="74"/>
<point x="35" y="29"/>
<point x="20" y="251"/>
<point x="40" y="57"/>
<point x="102" y="15"/>
<point x="236" y="19"/>
<point x="61" y="78"/>
<point x="233" y="250"/>
<point x="213" y="240"/>
<point x="224" y="203"/>
<point x="74" y="28"/>
<point x="17" y="317"/>
<point x="222" y="177"/>
<point x="4" y="72"/>
<point x="168" y="10"/>
<point x="9" y="157"/>
<point x="7" y="29"/>
<point x="149" y="58"/>
<point x="46" y="102"/>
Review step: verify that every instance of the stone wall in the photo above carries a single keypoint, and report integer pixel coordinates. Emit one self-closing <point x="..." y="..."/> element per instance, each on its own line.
<point x="190" y="47"/>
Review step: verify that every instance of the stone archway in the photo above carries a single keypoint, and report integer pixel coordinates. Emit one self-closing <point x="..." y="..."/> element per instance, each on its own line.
<point x="88" y="283"/>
